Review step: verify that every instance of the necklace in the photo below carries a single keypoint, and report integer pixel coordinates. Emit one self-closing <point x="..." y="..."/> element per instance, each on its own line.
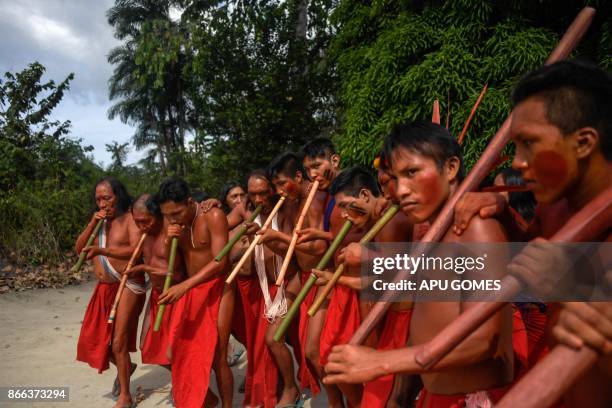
<point x="193" y="222"/>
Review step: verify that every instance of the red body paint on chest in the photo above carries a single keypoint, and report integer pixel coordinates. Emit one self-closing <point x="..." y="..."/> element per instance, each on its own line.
<point x="550" y="168"/>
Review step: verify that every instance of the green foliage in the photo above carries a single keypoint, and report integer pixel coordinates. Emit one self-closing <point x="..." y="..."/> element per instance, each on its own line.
<point x="42" y="170"/>
<point x="394" y="58"/>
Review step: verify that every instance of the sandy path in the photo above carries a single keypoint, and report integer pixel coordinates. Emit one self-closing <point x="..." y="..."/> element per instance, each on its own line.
<point x="38" y="337"/>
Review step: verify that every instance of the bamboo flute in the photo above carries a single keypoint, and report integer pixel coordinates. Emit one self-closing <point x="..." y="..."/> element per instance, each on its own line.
<point x="472" y="113"/>
<point x="124" y="278"/>
<point x="480" y="170"/>
<point x="230" y="244"/>
<point x="90" y="241"/>
<point x="167" y="282"/>
<point x="298" y="226"/>
<point x="588" y="224"/>
<point x="295" y="307"/>
<point x="379" y="225"/>
<point x="255" y="242"/>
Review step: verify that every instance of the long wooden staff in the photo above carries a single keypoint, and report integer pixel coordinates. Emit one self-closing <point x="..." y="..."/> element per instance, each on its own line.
<point x="472" y="113"/>
<point x="379" y="225"/>
<point x="298" y="226"/>
<point x="586" y="225"/>
<point x="90" y="241"/>
<point x="255" y="242"/>
<point x="230" y="244"/>
<point x="545" y="383"/>
<point x="480" y="170"/>
<point x="124" y="278"/>
<point x="167" y="282"/>
<point x="295" y="307"/>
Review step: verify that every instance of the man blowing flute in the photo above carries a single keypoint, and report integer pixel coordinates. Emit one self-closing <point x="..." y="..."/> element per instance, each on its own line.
<point x="204" y="304"/>
<point x="110" y="253"/>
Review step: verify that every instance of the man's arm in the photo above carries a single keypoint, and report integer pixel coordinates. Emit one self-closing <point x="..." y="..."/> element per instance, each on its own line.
<point x="84" y="236"/>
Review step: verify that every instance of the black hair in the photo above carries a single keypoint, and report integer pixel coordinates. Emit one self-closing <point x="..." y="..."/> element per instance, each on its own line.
<point x="576" y="94"/>
<point x="523" y="202"/>
<point x="124" y="200"/>
<point x="287" y="164"/>
<point x="200" y="195"/>
<point x="425" y="138"/>
<point x="260" y="174"/>
<point x="227" y="187"/>
<point x="352" y="180"/>
<point x="173" y="189"/>
<point x="319" y="147"/>
<point x="152" y="205"/>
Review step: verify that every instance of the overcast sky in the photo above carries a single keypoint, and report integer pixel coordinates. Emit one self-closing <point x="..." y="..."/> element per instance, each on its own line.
<point x="68" y="36"/>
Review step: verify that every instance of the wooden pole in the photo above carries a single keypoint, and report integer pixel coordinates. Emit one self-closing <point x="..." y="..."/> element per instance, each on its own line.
<point x="230" y="244"/>
<point x="545" y="383"/>
<point x="124" y="278"/>
<point x="472" y="113"/>
<point x="379" y="225"/>
<point x="167" y="283"/>
<point x="435" y="116"/>
<point x="295" y="307"/>
<point x="588" y="224"/>
<point x="480" y="170"/>
<point x="90" y="241"/>
<point x="255" y="242"/>
<point x="298" y="226"/>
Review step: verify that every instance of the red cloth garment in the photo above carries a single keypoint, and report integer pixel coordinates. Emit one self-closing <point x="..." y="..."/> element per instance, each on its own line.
<point x="308" y="379"/>
<point x="262" y="374"/>
<point x="519" y="343"/>
<point x="155" y="344"/>
<point x="194" y="343"/>
<point x="342" y="320"/>
<point x="429" y="400"/>
<point x="94" y="342"/>
<point x="394" y="335"/>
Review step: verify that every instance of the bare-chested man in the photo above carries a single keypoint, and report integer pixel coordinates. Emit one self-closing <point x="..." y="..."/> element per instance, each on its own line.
<point x="426" y="163"/>
<point x="204" y="305"/>
<point x="562" y="129"/>
<point x="110" y="252"/>
<point x="322" y="163"/>
<point x="289" y="177"/>
<point x="357" y="194"/>
<point x="262" y="366"/>
<point x="148" y="218"/>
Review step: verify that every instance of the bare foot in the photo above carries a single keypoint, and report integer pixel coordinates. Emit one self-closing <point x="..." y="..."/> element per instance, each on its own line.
<point x="288" y="397"/>
<point x="124" y="401"/>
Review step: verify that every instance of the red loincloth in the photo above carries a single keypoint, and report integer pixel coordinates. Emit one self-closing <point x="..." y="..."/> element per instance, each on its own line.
<point x="262" y="373"/>
<point x="429" y="400"/>
<point x="155" y="344"/>
<point x="394" y="335"/>
<point x="307" y="378"/>
<point x="93" y="347"/>
<point x="342" y="320"/>
<point x="193" y="345"/>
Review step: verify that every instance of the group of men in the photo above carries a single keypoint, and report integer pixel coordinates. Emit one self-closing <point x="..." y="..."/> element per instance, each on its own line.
<point x="562" y="115"/>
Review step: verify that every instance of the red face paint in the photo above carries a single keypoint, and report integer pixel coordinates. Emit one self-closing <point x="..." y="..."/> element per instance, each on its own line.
<point x="550" y="168"/>
<point x="291" y="187"/>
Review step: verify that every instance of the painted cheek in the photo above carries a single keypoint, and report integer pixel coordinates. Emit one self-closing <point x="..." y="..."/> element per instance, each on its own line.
<point x="291" y="188"/>
<point x="550" y="169"/>
<point x="428" y="184"/>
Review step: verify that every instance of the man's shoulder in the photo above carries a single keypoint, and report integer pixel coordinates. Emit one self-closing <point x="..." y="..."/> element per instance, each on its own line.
<point x="214" y="216"/>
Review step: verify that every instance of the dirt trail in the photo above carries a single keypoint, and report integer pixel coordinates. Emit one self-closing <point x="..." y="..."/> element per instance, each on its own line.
<point x="38" y="337"/>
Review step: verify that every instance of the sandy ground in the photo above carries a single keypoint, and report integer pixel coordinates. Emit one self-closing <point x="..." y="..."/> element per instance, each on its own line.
<point x="38" y="337"/>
